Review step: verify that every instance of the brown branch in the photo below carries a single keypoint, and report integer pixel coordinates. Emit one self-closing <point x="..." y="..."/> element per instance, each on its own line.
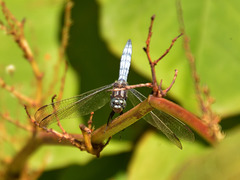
<point x="16" y="29"/>
<point x="16" y="167"/>
<point x="132" y="87"/>
<point x="22" y="98"/>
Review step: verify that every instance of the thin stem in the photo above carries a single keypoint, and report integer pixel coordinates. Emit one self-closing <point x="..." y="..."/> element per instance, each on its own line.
<point x="22" y="98"/>
<point x="164" y="92"/>
<point x="121" y="122"/>
<point x="168" y="49"/>
<point x="15" y="122"/>
<point x="132" y="87"/>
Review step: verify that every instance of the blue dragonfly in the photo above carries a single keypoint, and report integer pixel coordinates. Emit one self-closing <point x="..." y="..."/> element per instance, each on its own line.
<point x="93" y="100"/>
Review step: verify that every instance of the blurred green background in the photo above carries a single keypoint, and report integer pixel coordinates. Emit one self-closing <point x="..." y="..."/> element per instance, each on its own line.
<point x="99" y="32"/>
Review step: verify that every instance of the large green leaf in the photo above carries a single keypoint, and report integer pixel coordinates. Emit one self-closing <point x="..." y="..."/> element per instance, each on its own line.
<point x="156" y="157"/>
<point x="222" y="162"/>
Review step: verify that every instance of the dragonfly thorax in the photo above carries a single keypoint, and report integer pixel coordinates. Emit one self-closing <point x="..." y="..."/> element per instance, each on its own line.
<point x="118" y="98"/>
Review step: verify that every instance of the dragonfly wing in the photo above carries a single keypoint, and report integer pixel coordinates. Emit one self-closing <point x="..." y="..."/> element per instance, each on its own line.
<point x="76" y="106"/>
<point x="169" y="125"/>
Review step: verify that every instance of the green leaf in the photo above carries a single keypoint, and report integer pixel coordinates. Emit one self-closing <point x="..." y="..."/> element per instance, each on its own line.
<point x="222" y="162"/>
<point x="155" y="157"/>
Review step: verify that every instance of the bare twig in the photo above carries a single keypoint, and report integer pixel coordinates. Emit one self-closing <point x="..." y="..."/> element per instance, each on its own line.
<point x="22" y="98"/>
<point x="15" y="122"/>
<point x="132" y="87"/>
<point x="169" y="48"/>
<point x="155" y="87"/>
<point x="164" y="92"/>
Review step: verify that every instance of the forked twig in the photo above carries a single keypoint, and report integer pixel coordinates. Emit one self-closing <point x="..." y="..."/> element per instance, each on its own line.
<point x="156" y="91"/>
<point x="94" y="149"/>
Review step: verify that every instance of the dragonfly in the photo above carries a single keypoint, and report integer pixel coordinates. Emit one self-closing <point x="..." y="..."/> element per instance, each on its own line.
<point x="93" y="100"/>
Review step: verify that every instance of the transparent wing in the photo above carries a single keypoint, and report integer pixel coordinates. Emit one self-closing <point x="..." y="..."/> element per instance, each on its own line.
<point x="169" y="125"/>
<point x="76" y="106"/>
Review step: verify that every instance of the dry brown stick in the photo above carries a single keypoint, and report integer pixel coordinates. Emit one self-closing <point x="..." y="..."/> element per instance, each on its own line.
<point x="208" y="116"/>
<point x="15" y="122"/>
<point x="62" y="49"/>
<point x="16" y="29"/>
<point x="22" y="98"/>
<point x="190" y="58"/>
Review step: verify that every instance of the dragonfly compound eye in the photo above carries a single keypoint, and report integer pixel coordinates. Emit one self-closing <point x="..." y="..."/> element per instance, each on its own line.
<point x="118" y="104"/>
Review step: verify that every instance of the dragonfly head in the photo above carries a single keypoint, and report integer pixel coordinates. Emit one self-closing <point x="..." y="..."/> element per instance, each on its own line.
<point x="118" y="104"/>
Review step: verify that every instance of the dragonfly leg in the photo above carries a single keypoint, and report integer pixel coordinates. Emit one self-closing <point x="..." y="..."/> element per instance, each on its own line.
<point x="110" y="117"/>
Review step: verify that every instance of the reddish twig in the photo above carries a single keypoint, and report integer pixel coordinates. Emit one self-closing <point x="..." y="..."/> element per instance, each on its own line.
<point x="164" y="92"/>
<point x="169" y="48"/>
<point x="156" y="90"/>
